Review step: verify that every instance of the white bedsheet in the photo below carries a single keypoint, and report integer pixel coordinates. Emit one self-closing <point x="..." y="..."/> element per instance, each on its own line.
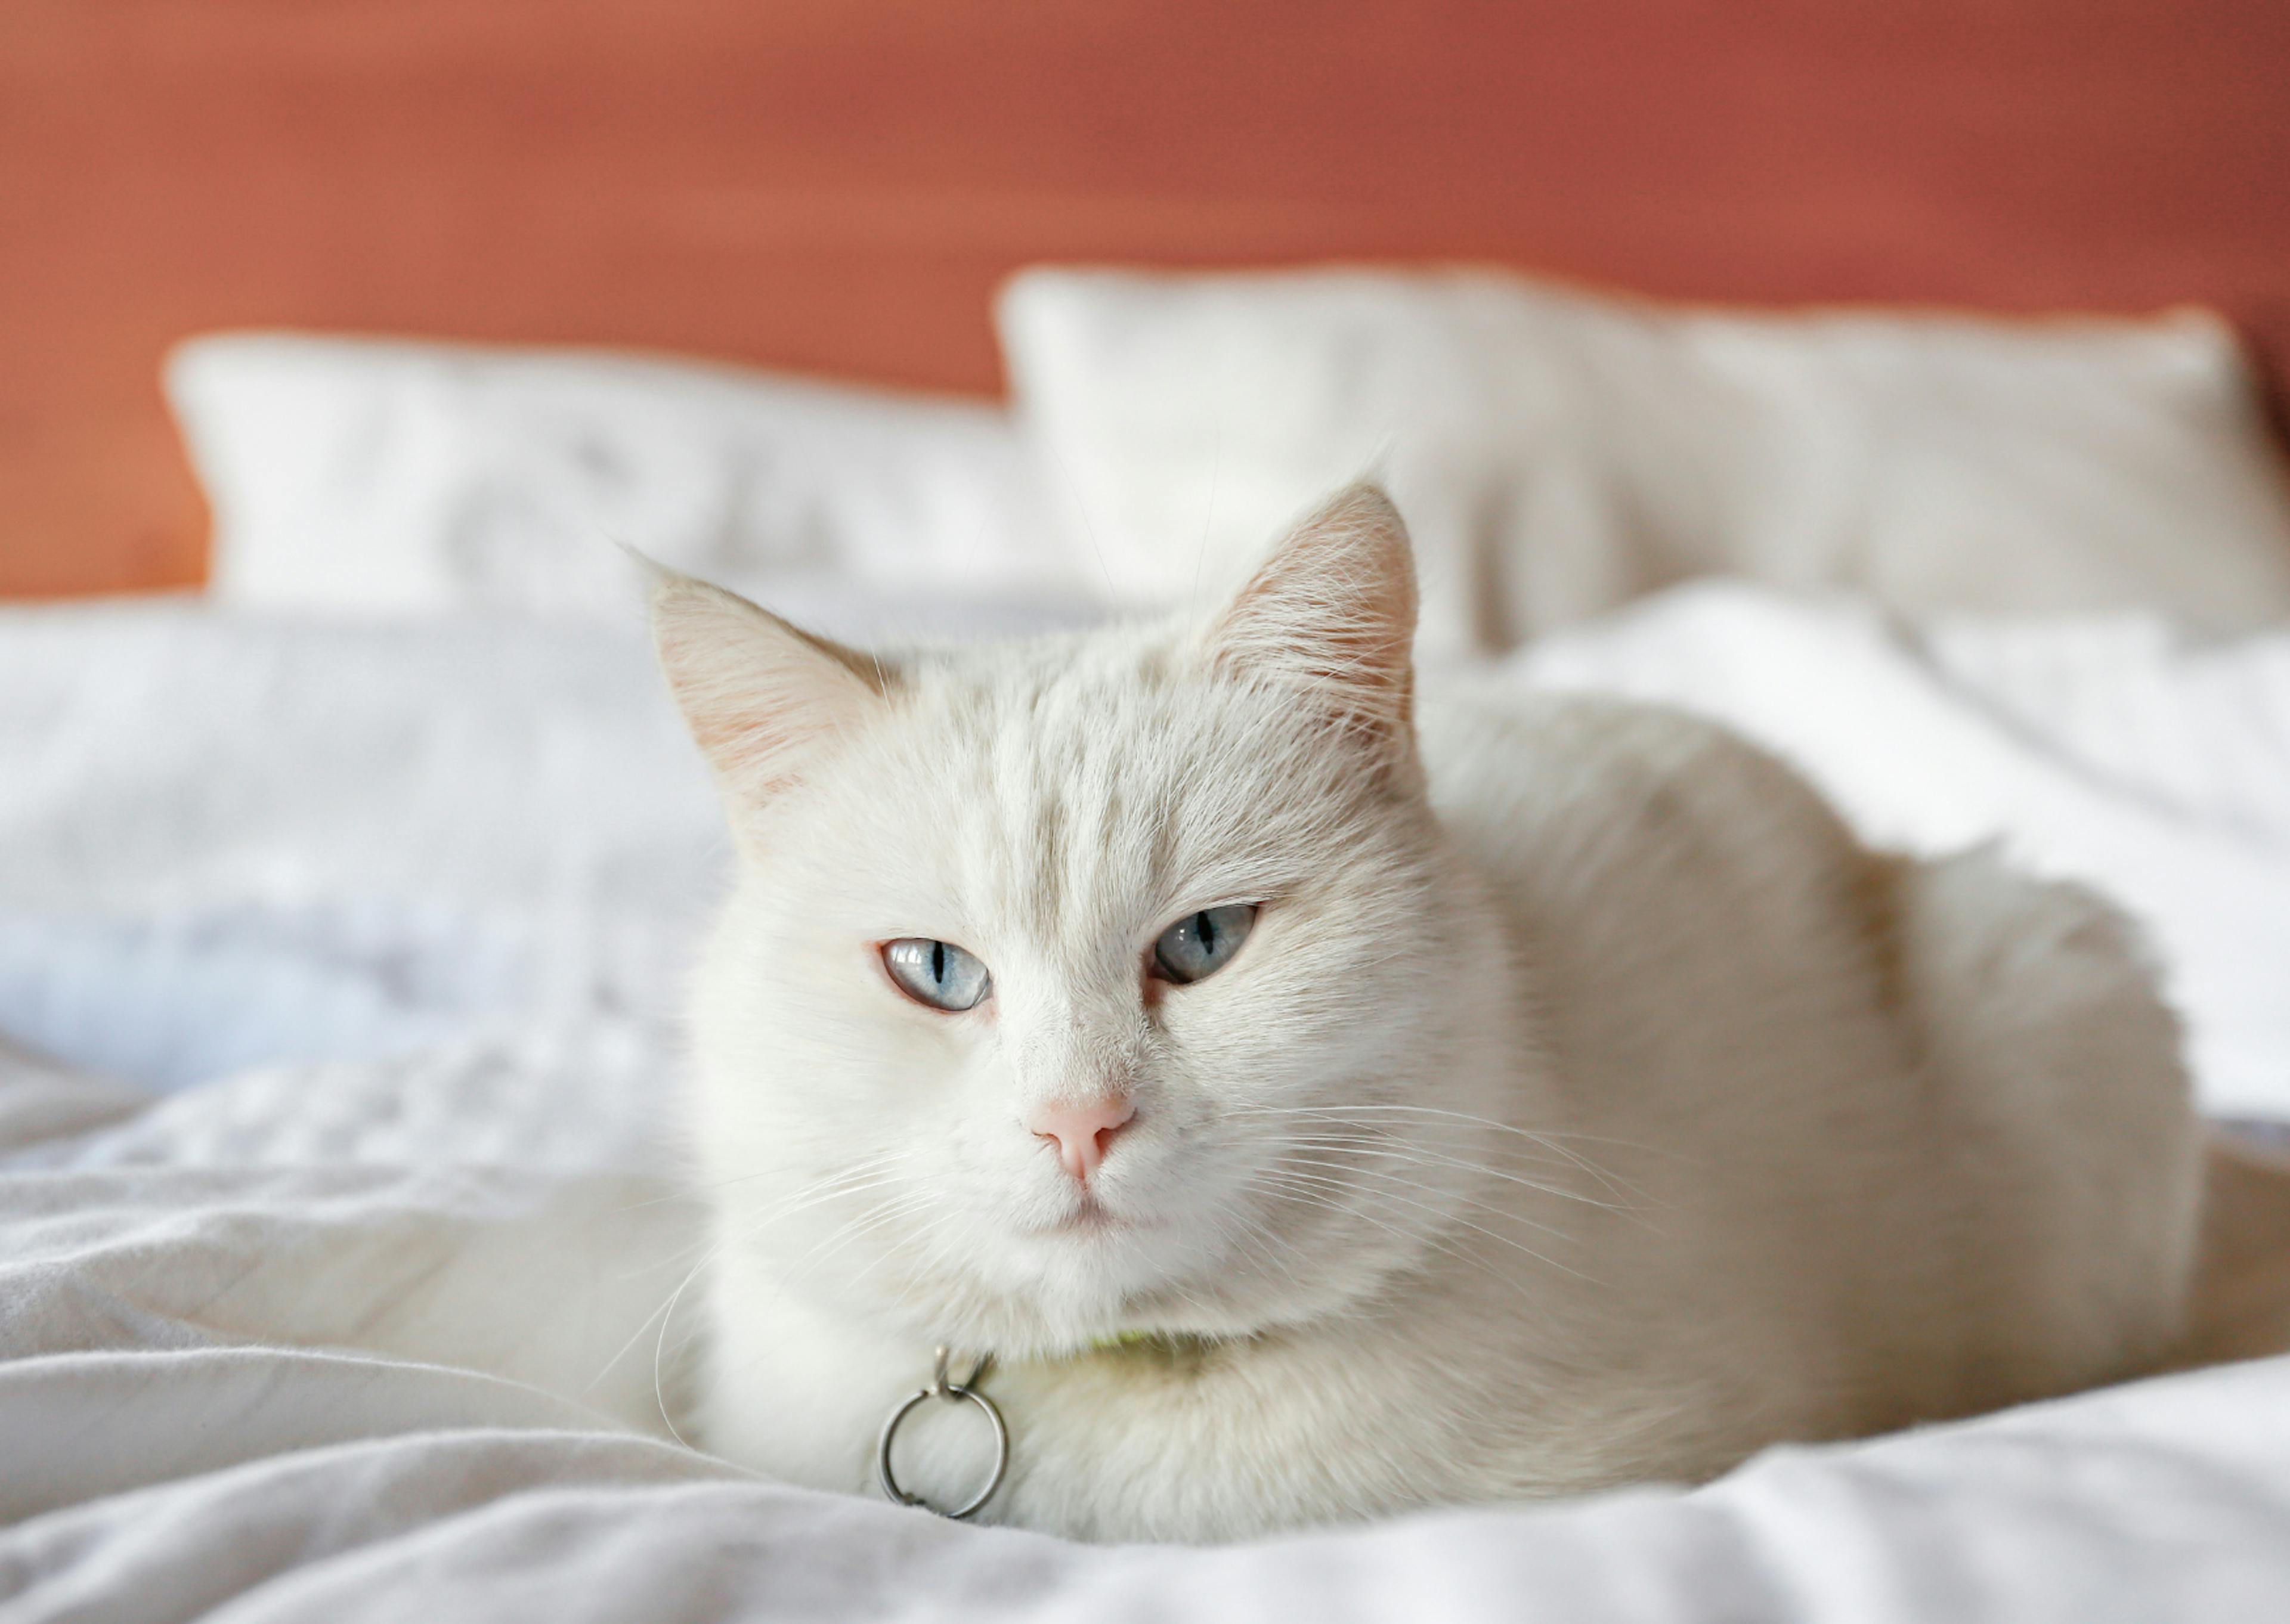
<point x="356" y="1321"/>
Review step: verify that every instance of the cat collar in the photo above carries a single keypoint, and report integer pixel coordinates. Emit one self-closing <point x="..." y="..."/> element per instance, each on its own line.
<point x="966" y="1391"/>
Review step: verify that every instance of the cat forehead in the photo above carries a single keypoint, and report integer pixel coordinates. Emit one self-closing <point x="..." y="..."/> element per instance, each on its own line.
<point x="1066" y="787"/>
<point x="1111" y="715"/>
<point x="1128" y="760"/>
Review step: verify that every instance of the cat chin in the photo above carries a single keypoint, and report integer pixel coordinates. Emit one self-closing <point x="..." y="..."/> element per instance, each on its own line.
<point x="1017" y="1331"/>
<point x="1052" y="1300"/>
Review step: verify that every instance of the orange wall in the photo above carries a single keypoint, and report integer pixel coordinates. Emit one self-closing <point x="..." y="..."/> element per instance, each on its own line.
<point x="838" y="184"/>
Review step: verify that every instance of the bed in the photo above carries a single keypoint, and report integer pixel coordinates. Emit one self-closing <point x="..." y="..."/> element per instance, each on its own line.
<point x="350" y="862"/>
<point x="333" y="1275"/>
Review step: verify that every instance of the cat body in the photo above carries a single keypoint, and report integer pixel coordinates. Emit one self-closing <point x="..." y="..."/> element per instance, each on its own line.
<point x="1583" y="1106"/>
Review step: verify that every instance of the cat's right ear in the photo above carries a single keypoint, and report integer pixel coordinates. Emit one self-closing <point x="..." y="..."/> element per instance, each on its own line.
<point x="761" y="697"/>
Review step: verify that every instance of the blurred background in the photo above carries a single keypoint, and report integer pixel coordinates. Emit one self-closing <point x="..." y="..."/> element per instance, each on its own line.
<point x="1897" y="384"/>
<point x="838" y="186"/>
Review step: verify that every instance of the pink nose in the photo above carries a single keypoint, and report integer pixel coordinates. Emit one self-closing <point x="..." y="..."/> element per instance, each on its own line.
<point x="1082" y="1132"/>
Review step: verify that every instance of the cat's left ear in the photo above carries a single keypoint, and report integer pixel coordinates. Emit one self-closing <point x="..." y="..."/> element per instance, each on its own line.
<point x="1331" y="613"/>
<point x="763" y="698"/>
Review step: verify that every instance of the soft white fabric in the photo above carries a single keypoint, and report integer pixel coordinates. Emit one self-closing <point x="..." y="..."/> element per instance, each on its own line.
<point x="226" y="840"/>
<point x="1558" y="453"/>
<point x="365" y="1328"/>
<point x="392" y="477"/>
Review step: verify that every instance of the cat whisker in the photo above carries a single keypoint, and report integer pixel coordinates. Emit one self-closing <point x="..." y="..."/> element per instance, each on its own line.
<point x="1312" y="1191"/>
<point x="1256" y="1229"/>
<point x="687" y="1190"/>
<point x="1432" y="1189"/>
<point x="811" y="1196"/>
<point x="1434" y="1161"/>
<point x="873" y="1217"/>
<point x="1477" y="1229"/>
<point x="1551" y="1141"/>
<point x="1322" y="1191"/>
<point x="659" y="1383"/>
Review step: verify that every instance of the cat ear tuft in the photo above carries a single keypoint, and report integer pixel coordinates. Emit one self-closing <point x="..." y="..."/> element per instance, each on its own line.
<point x="761" y="696"/>
<point x="1331" y="613"/>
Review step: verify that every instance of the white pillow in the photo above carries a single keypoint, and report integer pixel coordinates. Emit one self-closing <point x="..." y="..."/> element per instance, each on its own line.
<point x="381" y="476"/>
<point x="1558" y="453"/>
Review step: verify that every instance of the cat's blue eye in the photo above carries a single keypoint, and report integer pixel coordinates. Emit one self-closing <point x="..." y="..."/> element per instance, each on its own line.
<point x="936" y="972"/>
<point x="1202" y="944"/>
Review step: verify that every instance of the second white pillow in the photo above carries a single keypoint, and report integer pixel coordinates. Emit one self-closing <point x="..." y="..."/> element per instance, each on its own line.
<point x="1558" y="453"/>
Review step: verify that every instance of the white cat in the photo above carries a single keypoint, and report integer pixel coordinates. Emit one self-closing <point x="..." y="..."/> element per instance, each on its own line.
<point x="1320" y="1105"/>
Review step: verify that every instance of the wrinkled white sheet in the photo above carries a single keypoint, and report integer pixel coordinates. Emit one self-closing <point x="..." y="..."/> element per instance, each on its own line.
<point x="358" y="1320"/>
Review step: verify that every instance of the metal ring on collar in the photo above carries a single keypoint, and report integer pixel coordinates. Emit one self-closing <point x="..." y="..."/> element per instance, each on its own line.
<point x="955" y="1392"/>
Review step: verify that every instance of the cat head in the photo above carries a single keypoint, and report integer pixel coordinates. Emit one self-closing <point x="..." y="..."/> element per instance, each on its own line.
<point x="1107" y="983"/>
